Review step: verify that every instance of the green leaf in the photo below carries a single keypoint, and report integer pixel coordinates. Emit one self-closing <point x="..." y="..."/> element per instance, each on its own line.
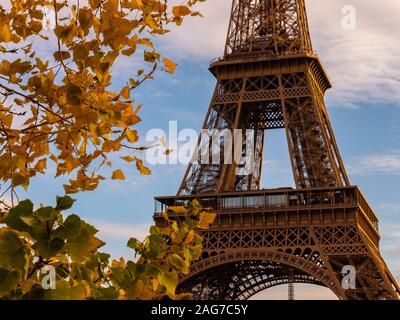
<point x="9" y="280"/>
<point x="12" y="251"/>
<point x="121" y="277"/>
<point x="64" y="203"/>
<point x="48" y="248"/>
<point x="170" y="281"/>
<point x="156" y="246"/>
<point x="70" y="228"/>
<point x="13" y="219"/>
<point x="135" y="244"/>
<point x="46" y="214"/>
<point x="64" y="291"/>
<point x="109" y="293"/>
<point x="178" y="263"/>
<point x="196" y="251"/>
<point x="80" y="273"/>
<point x="84" y="243"/>
<point x="153" y="269"/>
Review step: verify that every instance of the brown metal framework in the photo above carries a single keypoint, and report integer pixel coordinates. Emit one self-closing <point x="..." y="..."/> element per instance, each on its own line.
<point x="270" y="78"/>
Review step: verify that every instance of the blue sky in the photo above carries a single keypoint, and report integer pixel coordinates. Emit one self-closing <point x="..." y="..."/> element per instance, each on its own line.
<point x="363" y="106"/>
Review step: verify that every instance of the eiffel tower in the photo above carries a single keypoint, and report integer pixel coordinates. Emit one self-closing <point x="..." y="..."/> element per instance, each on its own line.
<point x="322" y="232"/>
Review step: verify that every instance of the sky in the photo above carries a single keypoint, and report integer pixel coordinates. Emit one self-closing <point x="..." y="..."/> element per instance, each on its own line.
<point x="363" y="106"/>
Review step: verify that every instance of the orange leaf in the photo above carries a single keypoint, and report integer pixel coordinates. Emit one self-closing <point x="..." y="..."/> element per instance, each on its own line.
<point x="5" y="33"/>
<point x="169" y="65"/>
<point x="41" y="165"/>
<point x="132" y="136"/>
<point x="125" y="92"/>
<point x="128" y="158"/>
<point x="180" y="11"/>
<point x="118" y="175"/>
<point x="142" y="169"/>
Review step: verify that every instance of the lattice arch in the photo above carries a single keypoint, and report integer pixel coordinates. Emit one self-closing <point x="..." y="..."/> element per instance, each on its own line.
<point x="231" y="265"/>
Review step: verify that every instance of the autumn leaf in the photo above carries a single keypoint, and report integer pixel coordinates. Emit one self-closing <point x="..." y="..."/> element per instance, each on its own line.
<point x="61" y="55"/>
<point x="61" y="104"/>
<point x="5" y="33"/>
<point x="118" y="175"/>
<point x="146" y="42"/>
<point x="180" y="11"/>
<point x="169" y="65"/>
<point x="206" y="219"/>
<point x="131" y="135"/>
<point x="128" y="158"/>
<point x="142" y="169"/>
<point x="125" y="92"/>
<point x="177" y="209"/>
<point x="63" y="98"/>
<point x="71" y="246"/>
<point x="41" y="165"/>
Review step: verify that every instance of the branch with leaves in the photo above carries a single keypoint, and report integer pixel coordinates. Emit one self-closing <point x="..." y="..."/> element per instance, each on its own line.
<point x="64" y="106"/>
<point x="35" y="239"/>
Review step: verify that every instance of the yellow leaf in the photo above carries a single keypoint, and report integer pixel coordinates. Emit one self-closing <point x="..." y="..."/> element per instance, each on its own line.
<point x="146" y="42"/>
<point x="177" y="209"/>
<point x="132" y="136"/>
<point x="19" y="102"/>
<point x="41" y="165"/>
<point x="118" y="175"/>
<point x="128" y="158"/>
<point x="180" y="11"/>
<point x="169" y="65"/>
<point x="130" y="118"/>
<point x="125" y="92"/>
<point x="189" y="237"/>
<point x="5" y="33"/>
<point x="148" y="19"/>
<point x="111" y="5"/>
<point x="82" y="149"/>
<point x="54" y="158"/>
<point x="142" y="169"/>
<point x="134" y="4"/>
<point x="206" y="219"/>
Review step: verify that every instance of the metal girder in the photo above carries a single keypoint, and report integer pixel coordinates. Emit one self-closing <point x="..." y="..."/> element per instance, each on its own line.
<point x="269" y="78"/>
<point x="287" y="100"/>
<point x="274" y="27"/>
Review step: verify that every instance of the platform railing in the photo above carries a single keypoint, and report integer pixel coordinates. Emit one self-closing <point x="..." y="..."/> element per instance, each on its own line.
<point x="277" y="199"/>
<point x="259" y="55"/>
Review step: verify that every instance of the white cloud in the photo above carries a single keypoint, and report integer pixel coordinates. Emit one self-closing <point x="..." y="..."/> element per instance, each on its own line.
<point x="119" y="231"/>
<point x="375" y="163"/>
<point x="116" y="236"/>
<point x="362" y="63"/>
<point x="390" y="246"/>
<point x="389" y="208"/>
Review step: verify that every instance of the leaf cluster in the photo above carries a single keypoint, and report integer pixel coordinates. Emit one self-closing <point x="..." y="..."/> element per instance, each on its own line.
<point x="34" y="239"/>
<point x="61" y="104"/>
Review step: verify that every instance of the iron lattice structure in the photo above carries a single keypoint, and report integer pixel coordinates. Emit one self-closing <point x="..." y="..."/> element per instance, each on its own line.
<point x="270" y="78"/>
